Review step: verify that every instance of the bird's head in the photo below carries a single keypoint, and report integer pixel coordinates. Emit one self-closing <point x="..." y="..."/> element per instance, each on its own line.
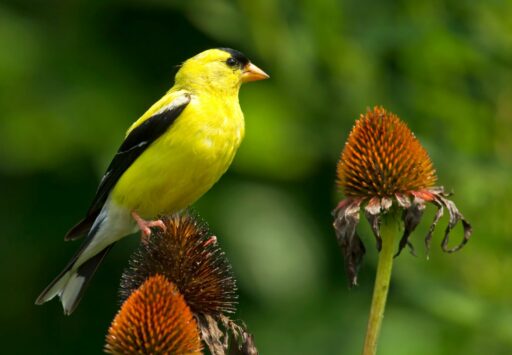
<point x="221" y="70"/>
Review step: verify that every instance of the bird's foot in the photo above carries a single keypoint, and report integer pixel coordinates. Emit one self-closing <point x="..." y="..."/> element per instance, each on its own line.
<point x="145" y="226"/>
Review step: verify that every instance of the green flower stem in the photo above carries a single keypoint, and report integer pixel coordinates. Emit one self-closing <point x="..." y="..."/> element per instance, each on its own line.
<point x="380" y="291"/>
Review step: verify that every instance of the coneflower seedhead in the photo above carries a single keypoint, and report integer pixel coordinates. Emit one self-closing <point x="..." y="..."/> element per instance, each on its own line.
<point x="383" y="164"/>
<point x="382" y="157"/>
<point x="154" y="320"/>
<point x="188" y="255"/>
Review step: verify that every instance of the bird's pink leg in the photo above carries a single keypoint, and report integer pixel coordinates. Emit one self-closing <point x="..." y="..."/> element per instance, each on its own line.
<point x="145" y="226"/>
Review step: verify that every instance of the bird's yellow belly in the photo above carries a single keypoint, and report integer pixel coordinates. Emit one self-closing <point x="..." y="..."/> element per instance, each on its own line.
<point x="179" y="167"/>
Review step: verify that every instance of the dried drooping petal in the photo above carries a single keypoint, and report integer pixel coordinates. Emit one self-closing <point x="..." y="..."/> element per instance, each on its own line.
<point x="223" y="336"/>
<point x="455" y="217"/>
<point x="412" y="217"/>
<point x="373" y="211"/>
<point x="403" y="200"/>
<point x="188" y="255"/>
<point x="437" y="217"/>
<point x="382" y="158"/>
<point x="346" y="219"/>
<point x="154" y="320"/>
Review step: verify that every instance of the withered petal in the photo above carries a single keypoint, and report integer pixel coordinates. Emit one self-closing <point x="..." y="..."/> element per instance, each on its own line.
<point x="439" y="190"/>
<point x="215" y="339"/>
<point x="455" y="217"/>
<point x="346" y="218"/>
<point x="411" y="217"/>
<point x="372" y="213"/>
<point x="411" y="248"/>
<point x="437" y="217"/>
<point x="223" y="336"/>
<point x="242" y="342"/>
<point x="385" y="203"/>
<point x="403" y="200"/>
<point x="248" y="347"/>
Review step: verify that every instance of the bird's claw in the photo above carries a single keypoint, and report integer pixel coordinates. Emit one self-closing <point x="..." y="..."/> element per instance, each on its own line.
<point x="145" y="226"/>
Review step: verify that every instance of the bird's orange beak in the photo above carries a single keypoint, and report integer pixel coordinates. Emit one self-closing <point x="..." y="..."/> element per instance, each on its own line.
<point x="253" y="73"/>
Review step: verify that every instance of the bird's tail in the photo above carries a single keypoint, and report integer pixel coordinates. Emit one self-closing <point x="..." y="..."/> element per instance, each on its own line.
<point x="71" y="283"/>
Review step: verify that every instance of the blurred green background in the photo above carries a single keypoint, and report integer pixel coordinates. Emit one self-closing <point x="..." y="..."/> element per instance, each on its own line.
<point x="75" y="74"/>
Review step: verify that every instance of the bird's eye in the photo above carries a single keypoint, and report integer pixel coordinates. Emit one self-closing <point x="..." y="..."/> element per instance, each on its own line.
<point x="231" y="62"/>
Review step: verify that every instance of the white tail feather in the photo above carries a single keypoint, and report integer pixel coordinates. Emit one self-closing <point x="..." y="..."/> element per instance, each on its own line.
<point x="71" y="292"/>
<point x="56" y="289"/>
<point x="112" y="224"/>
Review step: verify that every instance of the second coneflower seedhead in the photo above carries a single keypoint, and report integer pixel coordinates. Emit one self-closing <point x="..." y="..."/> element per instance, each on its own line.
<point x="383" y="165"/>
<point x="155" y="319"/>
<point x="382" y="157"/>
<point x="188" y="255"/>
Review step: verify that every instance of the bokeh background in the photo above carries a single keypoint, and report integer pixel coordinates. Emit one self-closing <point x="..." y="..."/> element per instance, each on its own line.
<point x="75" y="74"/>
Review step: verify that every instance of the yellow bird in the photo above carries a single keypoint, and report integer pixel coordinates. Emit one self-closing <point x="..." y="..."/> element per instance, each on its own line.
<point x="169" y="158"/>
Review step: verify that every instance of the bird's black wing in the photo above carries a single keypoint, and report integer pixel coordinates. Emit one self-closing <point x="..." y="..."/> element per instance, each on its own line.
<point x="139" y="139"/>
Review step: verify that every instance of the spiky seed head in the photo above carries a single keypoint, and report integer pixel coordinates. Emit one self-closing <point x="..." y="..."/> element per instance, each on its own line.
<point x="382" y="157"/>
<point x="154" y="320"/>
<point x="188" y="255"/>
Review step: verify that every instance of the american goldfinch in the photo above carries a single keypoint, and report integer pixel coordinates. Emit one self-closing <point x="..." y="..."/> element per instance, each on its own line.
<point x="169" y="158"/>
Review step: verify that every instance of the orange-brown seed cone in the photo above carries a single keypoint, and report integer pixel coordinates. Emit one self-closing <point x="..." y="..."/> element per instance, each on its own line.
<point x="382" y="157"/>
<point x="154" y="320"/>
<point x="188" y="255"/>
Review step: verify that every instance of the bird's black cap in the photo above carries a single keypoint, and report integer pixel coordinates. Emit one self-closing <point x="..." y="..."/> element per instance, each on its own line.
<point x="237" y="55"/>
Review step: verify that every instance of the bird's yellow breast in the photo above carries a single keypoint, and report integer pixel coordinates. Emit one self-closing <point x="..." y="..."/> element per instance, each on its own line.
<point x="184" y="162"/>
